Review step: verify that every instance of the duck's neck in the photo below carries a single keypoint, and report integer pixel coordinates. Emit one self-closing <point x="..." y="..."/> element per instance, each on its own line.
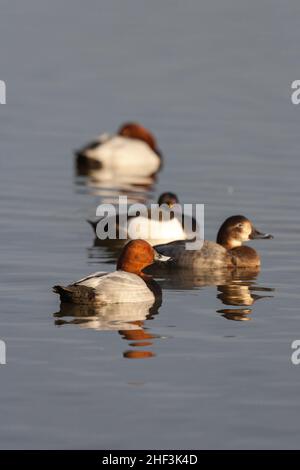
<point x="228" y="243"/>
<point x="146" y="277"/>
<point x="138" y="272"/>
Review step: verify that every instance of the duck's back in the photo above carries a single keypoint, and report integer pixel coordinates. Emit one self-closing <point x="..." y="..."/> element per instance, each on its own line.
<point x="124" y="154"/>
<point x="210" y="256"/>
<point x="155" y="231"/>
<point x="102" y="288"/>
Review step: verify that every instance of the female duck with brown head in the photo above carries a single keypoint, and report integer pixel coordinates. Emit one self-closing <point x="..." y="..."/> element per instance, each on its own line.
<point x="227" y="252"/>
<point x="133" y="150"/>
<point x="127" y="284"/>
<point x="233" y="232"/>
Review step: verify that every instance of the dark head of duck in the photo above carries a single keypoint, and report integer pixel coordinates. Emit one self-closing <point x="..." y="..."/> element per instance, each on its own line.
<point x="170" y="199"/>
<point x="234" y="232"/>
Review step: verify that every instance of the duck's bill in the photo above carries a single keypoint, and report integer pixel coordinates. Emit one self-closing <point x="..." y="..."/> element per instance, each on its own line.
<point x="256" y="234"/>
<point x="161" y="258"/>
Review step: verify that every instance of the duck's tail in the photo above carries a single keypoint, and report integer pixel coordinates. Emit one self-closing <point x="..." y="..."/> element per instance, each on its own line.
<point x="76" y="294"/>
<point x="83" y="162"/>
<point x="66" y="294"/>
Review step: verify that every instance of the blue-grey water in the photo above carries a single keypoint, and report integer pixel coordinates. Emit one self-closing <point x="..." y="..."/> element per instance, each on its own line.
<point x="212" y="80"/>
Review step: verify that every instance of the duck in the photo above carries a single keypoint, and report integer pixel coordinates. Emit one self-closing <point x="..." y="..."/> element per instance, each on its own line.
<point x="163" y="227"/>
<point x="227" y="252"/>
<point x="127" y="284"/>
<point x="132" y="150"/>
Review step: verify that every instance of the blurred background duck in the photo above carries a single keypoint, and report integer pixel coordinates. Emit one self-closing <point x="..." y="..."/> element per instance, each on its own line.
<point x="228" y="251"/>
<point x="161" y="226"/>
<point x="132" y="150"/>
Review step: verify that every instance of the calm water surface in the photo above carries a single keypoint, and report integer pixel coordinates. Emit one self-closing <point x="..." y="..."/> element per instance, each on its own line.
<point x="211" y="368"/>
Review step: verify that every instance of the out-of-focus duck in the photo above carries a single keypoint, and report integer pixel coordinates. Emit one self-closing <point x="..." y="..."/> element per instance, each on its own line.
<point x="227" y="252"/>
<point x="155" y="226"/>
<point x="133" y="150"/>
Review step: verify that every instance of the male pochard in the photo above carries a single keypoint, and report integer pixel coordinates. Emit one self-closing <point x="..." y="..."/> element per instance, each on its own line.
<point x="133" y="150"/>
<point x="161" y="227"/>
<point x="227" y="252"/>
<point x="127" y="284"/>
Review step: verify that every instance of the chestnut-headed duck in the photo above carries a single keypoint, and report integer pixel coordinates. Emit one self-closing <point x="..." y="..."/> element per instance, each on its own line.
<point x="133" y="150"/>
<point x="226" y="252"/>
<point x="162" y="226"/>
<point x="127" y="284"/>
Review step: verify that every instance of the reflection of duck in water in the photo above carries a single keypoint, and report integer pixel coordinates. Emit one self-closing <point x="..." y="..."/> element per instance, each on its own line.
<point x="240" y="292"/>
<point x="126" y="318"/>
<point x="132" y="151"/>
<point x="183" y="279"/>
<point x="236" y="314"/>
<point x="127" y="284"/>
<point x="236" y="287"/>
<point x="163" y="223"/>
<point x="227" y="252"/>
<point x="139" y="338"/>
<point x="102" y="183"/>
<point x="108" y="317"/>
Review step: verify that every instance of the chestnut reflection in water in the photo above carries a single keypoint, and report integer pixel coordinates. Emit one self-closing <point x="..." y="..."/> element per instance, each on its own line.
<point x="127" y="319"/>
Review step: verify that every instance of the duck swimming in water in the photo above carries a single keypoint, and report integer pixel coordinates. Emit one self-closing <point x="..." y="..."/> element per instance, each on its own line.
<point x="127" y="284"/>
<point x="133" y="150"/>
<point x="227" y="252"/>
<point x="156" y="227"/>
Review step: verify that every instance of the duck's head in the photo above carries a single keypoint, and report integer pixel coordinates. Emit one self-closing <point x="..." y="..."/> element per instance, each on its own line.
<point x="170" y="199"/>
<point x="134" y="130"/>
<point x="137" y="255"/>
<point x="236" y="230"/>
